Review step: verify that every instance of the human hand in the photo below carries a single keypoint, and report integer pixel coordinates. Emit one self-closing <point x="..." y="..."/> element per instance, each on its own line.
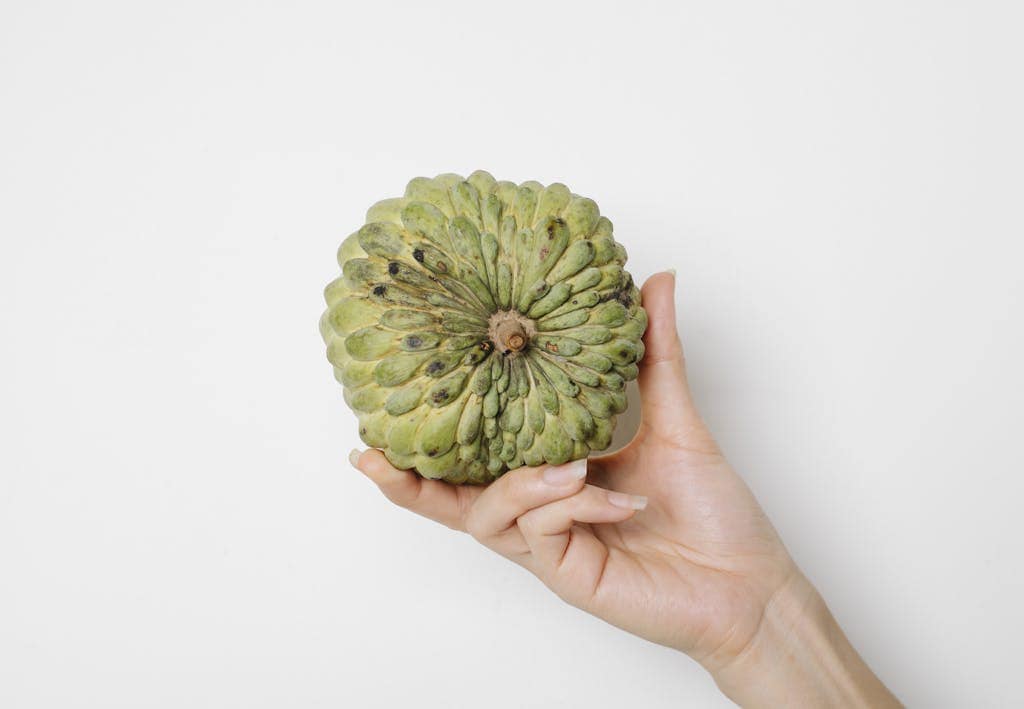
<point x="664" y="539"/>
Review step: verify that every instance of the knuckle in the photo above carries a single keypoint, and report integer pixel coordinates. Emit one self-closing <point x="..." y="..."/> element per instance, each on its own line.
<point x="515" y="482"/>
<point x="464" y="509"/>
<point x="529" y="523"/>
<point x="521" y="487"/>
<point x="392" y="494"/>
<point x="474" y="525"/>
<point x="399" y="492"/>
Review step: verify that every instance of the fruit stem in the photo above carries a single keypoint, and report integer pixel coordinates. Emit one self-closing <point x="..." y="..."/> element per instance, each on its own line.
<point x="510" y="332"/>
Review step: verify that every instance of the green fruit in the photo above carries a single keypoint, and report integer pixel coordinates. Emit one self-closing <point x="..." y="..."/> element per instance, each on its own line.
<point x="480" y="325"/>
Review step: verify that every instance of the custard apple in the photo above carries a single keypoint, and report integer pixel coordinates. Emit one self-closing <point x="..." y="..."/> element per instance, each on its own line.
<point x="480" y="325"/>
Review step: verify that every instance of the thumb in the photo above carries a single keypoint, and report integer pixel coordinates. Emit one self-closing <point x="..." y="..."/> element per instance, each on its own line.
<point x="665" y="395"/>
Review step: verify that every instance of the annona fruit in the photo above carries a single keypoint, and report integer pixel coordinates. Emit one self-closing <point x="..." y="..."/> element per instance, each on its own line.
<point x="479" y="326"/>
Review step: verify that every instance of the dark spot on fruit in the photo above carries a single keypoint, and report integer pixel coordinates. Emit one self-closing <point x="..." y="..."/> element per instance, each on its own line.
<point x="621" y="295"/>
<point x="552" y="347"/>
<point x="440" y="396"/>
<point x="413" y="341"/>
<point x="442" y="267"/>
<point x="418" y="255"/>
<point x="393" y="267"/>
<point x="552" y="224"/>
<point x="435" y="366"/>
<point x="380" y="290"/>
<point x="575" y="302"/>
<point x="485" y="346"/>
<point x="544" y="253"/>
<point x="362" y="431"/>
<point x="432" y="452"/>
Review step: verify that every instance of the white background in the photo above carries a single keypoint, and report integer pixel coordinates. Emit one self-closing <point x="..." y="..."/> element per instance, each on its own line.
<point x="838" y="184"/>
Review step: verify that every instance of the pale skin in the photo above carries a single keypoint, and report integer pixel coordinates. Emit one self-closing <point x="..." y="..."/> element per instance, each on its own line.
<point x="664" y="540"/>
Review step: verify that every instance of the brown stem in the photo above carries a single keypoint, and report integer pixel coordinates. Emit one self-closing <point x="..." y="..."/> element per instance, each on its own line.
<point x="510" y="332"/>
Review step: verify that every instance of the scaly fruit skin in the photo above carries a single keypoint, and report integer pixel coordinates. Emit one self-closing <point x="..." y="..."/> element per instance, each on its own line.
<point x="480" y="325"/>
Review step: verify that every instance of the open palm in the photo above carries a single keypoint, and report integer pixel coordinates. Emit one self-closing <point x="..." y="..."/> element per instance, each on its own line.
<point x="694" y="570"/>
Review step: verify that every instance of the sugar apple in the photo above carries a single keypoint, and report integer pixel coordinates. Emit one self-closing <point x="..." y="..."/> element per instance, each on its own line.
<point x="480" y="325"/>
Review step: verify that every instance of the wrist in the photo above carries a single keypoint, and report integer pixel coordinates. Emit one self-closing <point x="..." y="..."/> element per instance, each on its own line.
<point x="799" y="656"/>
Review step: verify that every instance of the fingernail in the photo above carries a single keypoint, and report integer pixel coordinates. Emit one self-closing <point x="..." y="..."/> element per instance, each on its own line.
<point x="353" y="457"/>
<point x="672" y="271"/>
<point x="630" y="502"/>
<point x="567" y="473"/>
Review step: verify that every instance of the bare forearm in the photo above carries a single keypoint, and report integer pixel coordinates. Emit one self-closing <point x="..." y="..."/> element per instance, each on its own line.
<point x="801" y="657"/>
